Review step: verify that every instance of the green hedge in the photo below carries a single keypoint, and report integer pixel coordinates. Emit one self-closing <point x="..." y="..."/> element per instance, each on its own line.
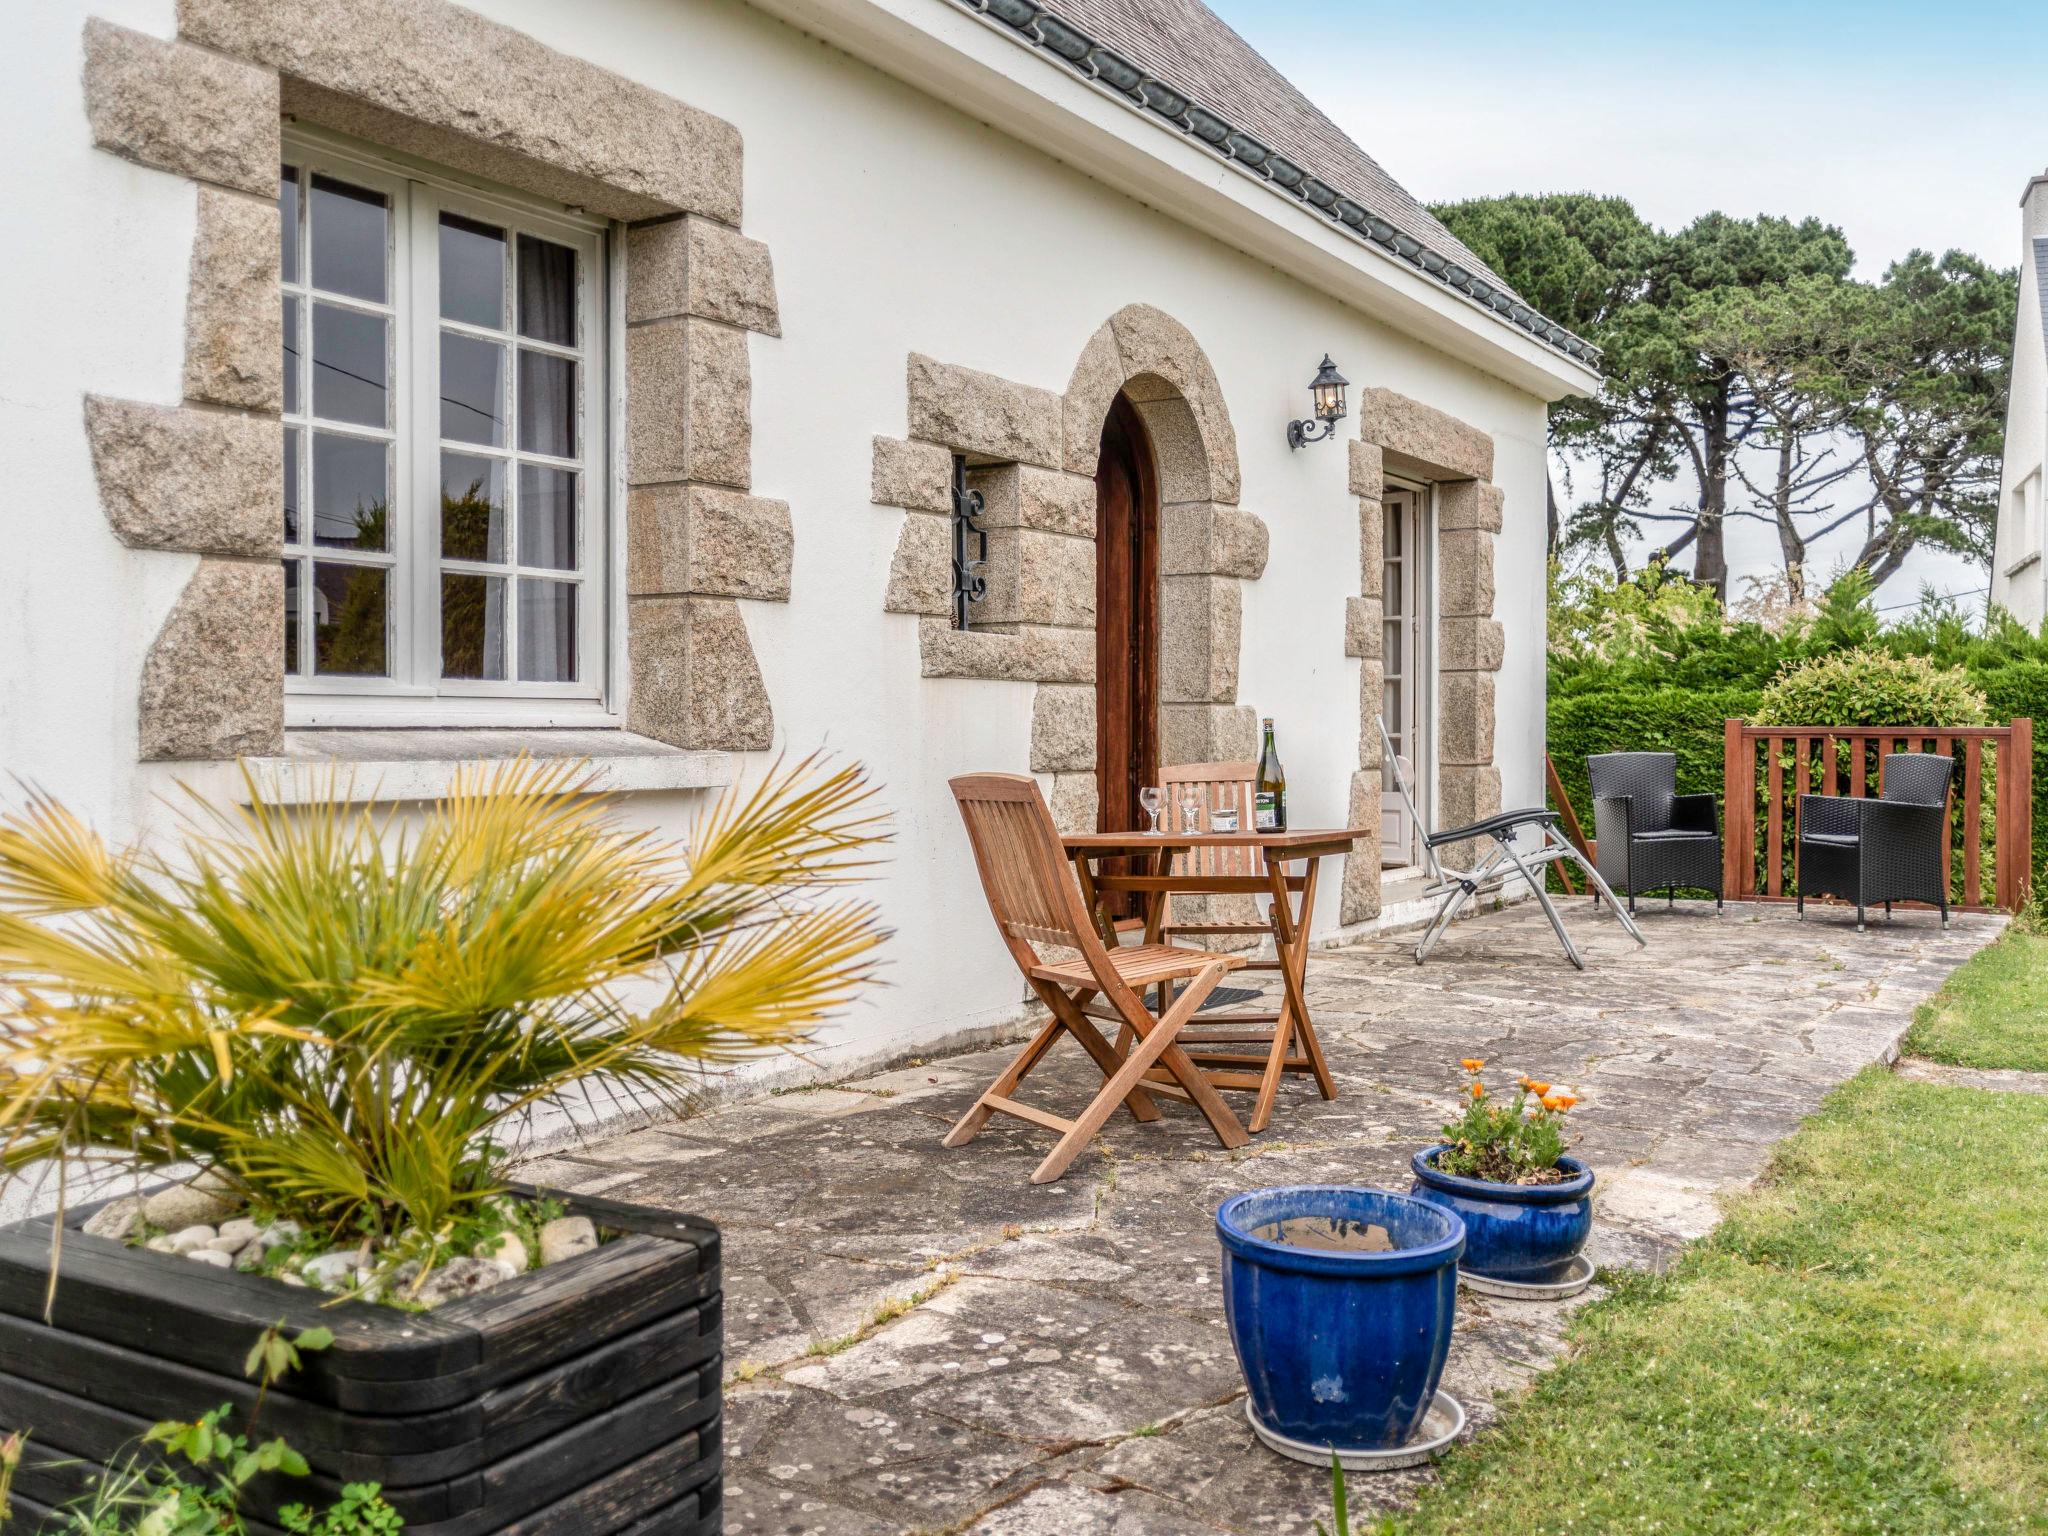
<point x="2015" y="689"/>
<point x="1637" y="719"/>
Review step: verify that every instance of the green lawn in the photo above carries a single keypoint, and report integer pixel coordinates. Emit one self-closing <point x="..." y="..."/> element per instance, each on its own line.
<point x="1861" y="1347"/>
<point x="1994" y="1011"/>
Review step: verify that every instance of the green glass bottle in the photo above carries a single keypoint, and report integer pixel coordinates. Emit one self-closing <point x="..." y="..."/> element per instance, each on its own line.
<point x="1272" y="788"/>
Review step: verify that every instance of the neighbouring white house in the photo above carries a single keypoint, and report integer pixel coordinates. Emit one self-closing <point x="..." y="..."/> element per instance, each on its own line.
<point x="401" y="382"/>
<point x="2019" y="571"/>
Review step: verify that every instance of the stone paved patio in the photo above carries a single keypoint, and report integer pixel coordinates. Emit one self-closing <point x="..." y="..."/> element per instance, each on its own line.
<point x="920" y="1341"/>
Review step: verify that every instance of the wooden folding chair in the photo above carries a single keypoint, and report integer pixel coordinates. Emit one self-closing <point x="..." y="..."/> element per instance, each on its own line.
<point x="1036" y="903"/>
<point x="1239" y="871"/>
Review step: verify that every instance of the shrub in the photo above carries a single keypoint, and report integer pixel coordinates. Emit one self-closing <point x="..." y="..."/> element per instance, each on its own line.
<point x="1869" y="686"/>
<point x="347" y="1021"/>
<point x="1514" y="1142"/>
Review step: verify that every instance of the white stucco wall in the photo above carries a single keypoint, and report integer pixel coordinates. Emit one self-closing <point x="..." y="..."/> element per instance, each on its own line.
<point x="897" y="224"/>
<point x="2018" y="583"/>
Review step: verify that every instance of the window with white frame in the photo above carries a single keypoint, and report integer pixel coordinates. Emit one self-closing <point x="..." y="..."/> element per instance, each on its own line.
<point x="444" y="448"/>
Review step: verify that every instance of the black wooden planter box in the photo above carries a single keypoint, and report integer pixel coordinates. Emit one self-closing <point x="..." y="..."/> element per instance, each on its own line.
<point x="582" y="1398"/>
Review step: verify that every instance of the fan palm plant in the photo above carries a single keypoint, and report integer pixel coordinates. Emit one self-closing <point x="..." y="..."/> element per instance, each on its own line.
<point x="348" y="1015"/>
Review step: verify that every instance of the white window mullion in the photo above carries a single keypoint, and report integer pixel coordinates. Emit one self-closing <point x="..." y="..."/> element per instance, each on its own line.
<point x="422" y="467"/>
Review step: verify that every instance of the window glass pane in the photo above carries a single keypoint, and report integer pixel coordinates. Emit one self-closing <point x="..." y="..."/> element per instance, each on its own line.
<point x="350" y="242"/>
<point x="1390" y="587"/>
<point x="547" y="291"/>
<point x="547" y="631"/>
<point x="472" y="390"/>
<point x="472" y="508"/>
<point x="291" y="617"/>
<point x="288" y="224"/>
<point x="472" y="626"/>
<point x="291" y="485"/>
<point x="1393" y="526"/>
<point x="291" y="355"/>
<point x="547" y="516"/>
<point x="350" y="366"/>
<point x="547" y="404"/>
<point x="1390" y="648"/>
<point x="472" y="272"/>
<point x="351" y="492"/>
<point x="351" y="620"/>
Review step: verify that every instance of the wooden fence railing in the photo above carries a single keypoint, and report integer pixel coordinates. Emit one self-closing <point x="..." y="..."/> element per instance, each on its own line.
<point x="1766" y="768"/>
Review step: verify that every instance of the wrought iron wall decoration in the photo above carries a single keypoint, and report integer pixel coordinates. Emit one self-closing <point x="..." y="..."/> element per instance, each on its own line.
<point x="969" y="585"/>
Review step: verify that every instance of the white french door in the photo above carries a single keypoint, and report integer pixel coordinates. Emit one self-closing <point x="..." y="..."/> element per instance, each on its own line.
<point x="1406" y="584"/>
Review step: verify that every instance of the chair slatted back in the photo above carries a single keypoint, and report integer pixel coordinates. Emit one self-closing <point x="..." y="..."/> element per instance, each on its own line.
<point x="1031" y="894"/>
<point x="1216" y="785"/>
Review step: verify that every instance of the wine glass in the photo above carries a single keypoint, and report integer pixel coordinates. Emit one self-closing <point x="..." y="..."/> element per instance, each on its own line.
<point x="1190" y="810"/>
<point x="1150" y="798"/>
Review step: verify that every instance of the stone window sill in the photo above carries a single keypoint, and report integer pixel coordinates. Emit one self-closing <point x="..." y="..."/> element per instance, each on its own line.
<point x="2022" y="563"/>
<point x="396" y="765"/>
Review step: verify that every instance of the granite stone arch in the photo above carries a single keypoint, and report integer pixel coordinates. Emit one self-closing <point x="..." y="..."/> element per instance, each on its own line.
<point x="432" y="79"/>
<point x="1031" y="452"/>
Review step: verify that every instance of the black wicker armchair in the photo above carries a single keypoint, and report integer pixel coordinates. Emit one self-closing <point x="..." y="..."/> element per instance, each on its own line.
<point x="1883" y="850"/>
<point x="1648" y="836"/>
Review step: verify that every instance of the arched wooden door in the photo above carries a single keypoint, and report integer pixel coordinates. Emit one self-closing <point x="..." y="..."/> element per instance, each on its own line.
<point x="1126" y="619"/>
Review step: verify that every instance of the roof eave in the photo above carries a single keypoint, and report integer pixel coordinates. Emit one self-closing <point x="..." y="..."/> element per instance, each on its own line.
<point x="952" y="52"/>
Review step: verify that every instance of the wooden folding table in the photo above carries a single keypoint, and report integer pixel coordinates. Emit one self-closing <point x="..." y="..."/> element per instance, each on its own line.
<point x="1208" y="1041"/>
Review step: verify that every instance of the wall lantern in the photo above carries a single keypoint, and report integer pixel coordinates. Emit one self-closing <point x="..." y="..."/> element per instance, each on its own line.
<point x="1327" y="390"/>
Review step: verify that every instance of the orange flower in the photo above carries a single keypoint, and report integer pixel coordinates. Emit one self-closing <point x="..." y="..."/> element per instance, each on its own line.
<point x="1558" y="1103"/>
<point x="1472" y="1063"/>
<point x="1539" y="1089"/>
<point x="1479" y="1090"/>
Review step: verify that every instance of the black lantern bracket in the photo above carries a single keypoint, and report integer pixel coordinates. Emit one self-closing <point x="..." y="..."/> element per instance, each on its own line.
<point x="1326" y="390"/>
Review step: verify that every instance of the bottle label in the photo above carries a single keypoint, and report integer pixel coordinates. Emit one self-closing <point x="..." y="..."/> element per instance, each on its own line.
<point x="1268" y="815"/>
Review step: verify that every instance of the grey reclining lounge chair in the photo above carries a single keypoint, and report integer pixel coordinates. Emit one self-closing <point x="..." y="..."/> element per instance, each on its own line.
<point x="1647" y="836"/>
<point x="1456" y="888"/>
<point x="1883" y="850"/>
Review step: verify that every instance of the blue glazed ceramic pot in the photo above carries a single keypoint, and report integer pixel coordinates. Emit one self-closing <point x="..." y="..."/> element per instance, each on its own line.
<point x="1340" y="1345"/>
<point x="1527" y="1233"/>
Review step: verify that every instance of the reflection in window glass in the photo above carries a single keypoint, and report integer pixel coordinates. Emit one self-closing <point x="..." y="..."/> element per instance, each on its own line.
<point x="291" y="355"/>
<point x="547" y="291"/>
<point x="291" y="616"/>
<point x="547" y="404"/>
<point x="472" y="626"/>
<point x="547" y="631"/>
<point x="291" y="485"/>
<point x="351" y="492"/>
<point x="472" y="507"/>
<point x="349" y="239"/>
<point x="547" y="516"/>
<point x="288" y="224"/>
<point x="351" y="620"/>
<point x="351" y="366"/>
<point x="472" y="390"/>
<point x="472" y="272"/>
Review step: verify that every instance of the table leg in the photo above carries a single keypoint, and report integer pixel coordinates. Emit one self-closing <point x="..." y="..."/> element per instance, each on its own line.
<point x="1093" y="899"/>
<point x="1297" y="981"/>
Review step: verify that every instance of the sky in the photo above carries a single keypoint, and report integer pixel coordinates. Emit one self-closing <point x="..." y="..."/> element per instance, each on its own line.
<point x="1906" y="124"/>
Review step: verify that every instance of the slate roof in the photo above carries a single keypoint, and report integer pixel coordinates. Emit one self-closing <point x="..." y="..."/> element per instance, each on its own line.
<point x="1184" y="66"/>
